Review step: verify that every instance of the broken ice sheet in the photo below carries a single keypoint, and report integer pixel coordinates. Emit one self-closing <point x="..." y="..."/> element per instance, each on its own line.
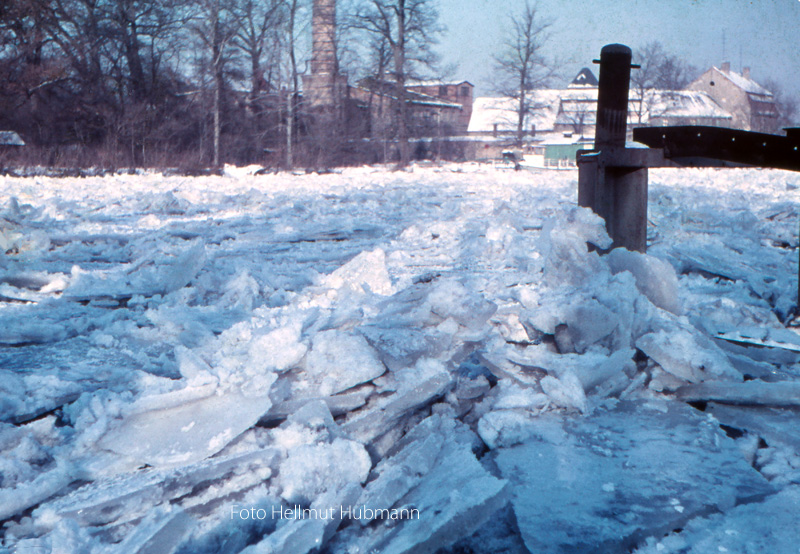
<point x="687" y="354"/>
<point x="51" y="320"/>
<point x="416" y="386"/>
<point x="456" y="498"/>
<point x="655" y="278"/>
<point x="153" y="273"/>
<point x="505" y="427"/>
<point x="605" y="482"/>
<point x="312" y="469"/>
<point x="339" y="360"/>
<point x="300" y="536"/>
<point x="768" y="526"/>
<point x="172" y="429"/>
<point x="37" y="378"/>
<point x="160" y="532"/>
<point x="366" y="272"/>
<point x="434" y="471"/>
<point x="398" y="474"/>
<point x="402" y="346"/>
<point x="14" y="500"/>
<point x="748" y="262"/>
<point x="128" y="497"/>
<point x="775" y="425"/>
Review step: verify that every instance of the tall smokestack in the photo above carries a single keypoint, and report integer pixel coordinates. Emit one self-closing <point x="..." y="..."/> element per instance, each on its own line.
<point x="324" y="87"/>
<point x="323" y="38"/>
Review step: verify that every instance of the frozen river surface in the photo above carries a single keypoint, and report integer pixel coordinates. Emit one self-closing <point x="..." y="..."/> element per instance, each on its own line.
<point x="397" y="362"/>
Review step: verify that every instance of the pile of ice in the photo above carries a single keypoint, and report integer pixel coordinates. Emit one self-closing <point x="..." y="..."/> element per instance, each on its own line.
<point x="370" y="361"/>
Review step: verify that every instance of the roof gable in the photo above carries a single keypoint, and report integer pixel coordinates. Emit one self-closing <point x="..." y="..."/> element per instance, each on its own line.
<point x="584" y="78"/>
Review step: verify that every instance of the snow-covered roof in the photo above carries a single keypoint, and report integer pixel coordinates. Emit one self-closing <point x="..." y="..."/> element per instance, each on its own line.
<point x="579" y="105"/>
<point x="683" y="103"/>
<point x="10" y="138"/>
<point x="428" y="100"/>
<point x="412" y="97"/>
<point x="437" y="83"/>
<point x="744" y="83"/>
<point x="490" y="111"/>
<point x="553" y="138"/>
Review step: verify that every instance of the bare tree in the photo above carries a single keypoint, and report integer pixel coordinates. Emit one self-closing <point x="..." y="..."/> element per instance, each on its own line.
<point x="255" y="21"/>
<point x="644" y="78"/>
<point x="578" y="112"/>
<point x="788" y="107"/>
<point x="114" y="76"/>
<point x="214" y="25"/>
<point x="522" y="64"/>
<point x="658" y="70"/>
<point x="409" y="28"/>
<point x="675" y="73"/>
<point x="293" y="25"/>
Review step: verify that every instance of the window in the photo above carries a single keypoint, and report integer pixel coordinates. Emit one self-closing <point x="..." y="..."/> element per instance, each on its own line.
<point x="443" y="90"/>
<point x="465" y="91"/>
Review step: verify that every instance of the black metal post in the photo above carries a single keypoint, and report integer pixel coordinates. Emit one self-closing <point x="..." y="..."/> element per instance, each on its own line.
<point x="614" y="190"/>
<point x="612" y="96"/>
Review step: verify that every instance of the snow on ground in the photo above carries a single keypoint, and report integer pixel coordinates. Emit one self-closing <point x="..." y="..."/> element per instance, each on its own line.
<point x="405" y="362"/>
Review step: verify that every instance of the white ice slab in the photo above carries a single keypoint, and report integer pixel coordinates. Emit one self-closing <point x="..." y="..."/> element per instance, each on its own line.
<point x="768" y="526"/>
<point x="306" y="534"/>
<point x="186" y="433"/>
<point x="454" y="499"/>
<point x="604" y="483"/>
<point x="688" y="355"/>
<point x="340" y="360"/>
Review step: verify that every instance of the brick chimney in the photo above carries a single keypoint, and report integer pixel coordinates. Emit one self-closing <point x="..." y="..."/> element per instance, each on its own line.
<point x="324" y="87"/>
<point x="746" y="72"/>
<point x="323" y="33"/>
<point x="726" y="67"/>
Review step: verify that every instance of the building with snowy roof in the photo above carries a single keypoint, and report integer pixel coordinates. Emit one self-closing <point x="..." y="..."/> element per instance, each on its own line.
<point x="679" y="107"/>
<point x="573" y="110"/>
<point x="562" y="121"/>
<point x="751" y="106"/>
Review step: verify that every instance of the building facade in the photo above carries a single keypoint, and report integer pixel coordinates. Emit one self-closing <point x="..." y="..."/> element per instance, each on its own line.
<point x="457" y="93"/>
<point x="751" y="106"/>
<point x="368" y="111"/>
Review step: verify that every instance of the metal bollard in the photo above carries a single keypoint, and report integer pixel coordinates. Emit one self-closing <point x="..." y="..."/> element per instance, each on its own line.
<point x="612" y="96"/>
<point x="612" y="187"/>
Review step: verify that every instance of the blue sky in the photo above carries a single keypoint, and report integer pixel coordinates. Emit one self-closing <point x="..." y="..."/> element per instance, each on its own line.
<point x="762" y="34"/>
